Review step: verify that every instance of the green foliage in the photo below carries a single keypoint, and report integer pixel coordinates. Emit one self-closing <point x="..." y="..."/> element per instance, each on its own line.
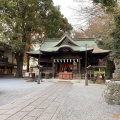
<point x="4" y="46"/>
<point x="96" y="1"/>
<point x="117" y="20"/>
<point x="108" y="4"/>
<point x="56" y="25"/>
<point x="24" y="17"/>
<point x="17" y="46"/>
<point x="21" y="19"/>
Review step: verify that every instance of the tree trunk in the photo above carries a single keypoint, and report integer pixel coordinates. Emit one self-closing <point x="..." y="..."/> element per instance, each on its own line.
<point x="28" y="59"/>
<point x="19" y="60"/>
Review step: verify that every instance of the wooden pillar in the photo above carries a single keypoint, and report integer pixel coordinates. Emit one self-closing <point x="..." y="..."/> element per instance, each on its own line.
<point x="86" y="63"/>
<point x="79" y="69"/>
<point x="93" y="73"/>
<point x="53" y="68"/>
<point x="5" y="69"/>
<point x="90" y="74"/>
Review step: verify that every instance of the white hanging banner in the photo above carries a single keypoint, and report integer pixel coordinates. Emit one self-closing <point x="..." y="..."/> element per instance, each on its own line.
<point x="67" y="60"/>
<point x="54" y="61"/>
<point x="60" y="60"/>
<point x="77" y="60"/>
<point x="64" y="60"/>
<point x="57" y="60"/>
<point x="70" y="60"/>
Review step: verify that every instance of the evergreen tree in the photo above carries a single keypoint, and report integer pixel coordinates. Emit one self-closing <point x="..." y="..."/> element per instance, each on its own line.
<point x="23" y="18"/>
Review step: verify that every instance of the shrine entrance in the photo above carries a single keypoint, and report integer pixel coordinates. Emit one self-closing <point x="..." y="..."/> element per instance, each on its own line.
<point x="66" y="68"/>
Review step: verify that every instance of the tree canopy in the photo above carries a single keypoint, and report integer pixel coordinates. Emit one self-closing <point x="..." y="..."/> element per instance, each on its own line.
<point x="23" y="18"/>
<point x="56" y="25"/>
<point x="112" y="6"/>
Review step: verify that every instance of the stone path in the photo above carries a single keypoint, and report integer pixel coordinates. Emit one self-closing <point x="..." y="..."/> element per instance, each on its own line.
<point x="62" y="101"/>
<point x="40" y="105"/>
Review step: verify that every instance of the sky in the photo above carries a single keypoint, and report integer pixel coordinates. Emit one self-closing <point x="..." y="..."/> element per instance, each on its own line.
<point x="69" y="7"/>
<point x="65" y="8"/>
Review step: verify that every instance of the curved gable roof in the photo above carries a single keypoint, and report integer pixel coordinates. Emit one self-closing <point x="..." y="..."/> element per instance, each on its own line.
<point x="66" y="39"/>
<point x="68" y="42"/>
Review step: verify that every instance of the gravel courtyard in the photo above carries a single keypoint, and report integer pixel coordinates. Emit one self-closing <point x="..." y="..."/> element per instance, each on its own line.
<point x="12" y="89"/>
<point x="54" y="101"/>
<point x="87" y="103"/>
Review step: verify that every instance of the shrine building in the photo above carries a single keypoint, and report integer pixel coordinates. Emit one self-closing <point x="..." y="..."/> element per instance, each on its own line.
<point x="67" y="58"/>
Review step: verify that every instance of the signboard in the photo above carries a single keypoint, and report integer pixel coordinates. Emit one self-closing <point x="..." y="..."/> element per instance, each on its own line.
<point x="99" y="72"/>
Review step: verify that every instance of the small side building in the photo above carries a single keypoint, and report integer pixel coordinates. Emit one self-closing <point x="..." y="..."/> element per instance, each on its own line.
<point x="7" y="63"/>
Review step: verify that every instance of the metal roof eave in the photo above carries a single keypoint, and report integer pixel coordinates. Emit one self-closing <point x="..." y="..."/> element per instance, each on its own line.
<point x="36" y="52"/>
<point x="55" y="49"/>
<point x="106" y="51"/>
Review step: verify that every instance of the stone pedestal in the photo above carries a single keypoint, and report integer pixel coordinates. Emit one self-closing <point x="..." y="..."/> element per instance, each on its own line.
<point x="112" y="93"/>
<point x="116" y="74"/>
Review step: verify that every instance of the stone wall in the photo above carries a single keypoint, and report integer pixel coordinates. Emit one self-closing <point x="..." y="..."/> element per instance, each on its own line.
<point x="112" y="93"/>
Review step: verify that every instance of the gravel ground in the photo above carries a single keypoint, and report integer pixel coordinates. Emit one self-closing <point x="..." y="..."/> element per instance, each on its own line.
<point x="12" y="89"/>
<point x="81" y="103"/>
<point x="86" y="103"/>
